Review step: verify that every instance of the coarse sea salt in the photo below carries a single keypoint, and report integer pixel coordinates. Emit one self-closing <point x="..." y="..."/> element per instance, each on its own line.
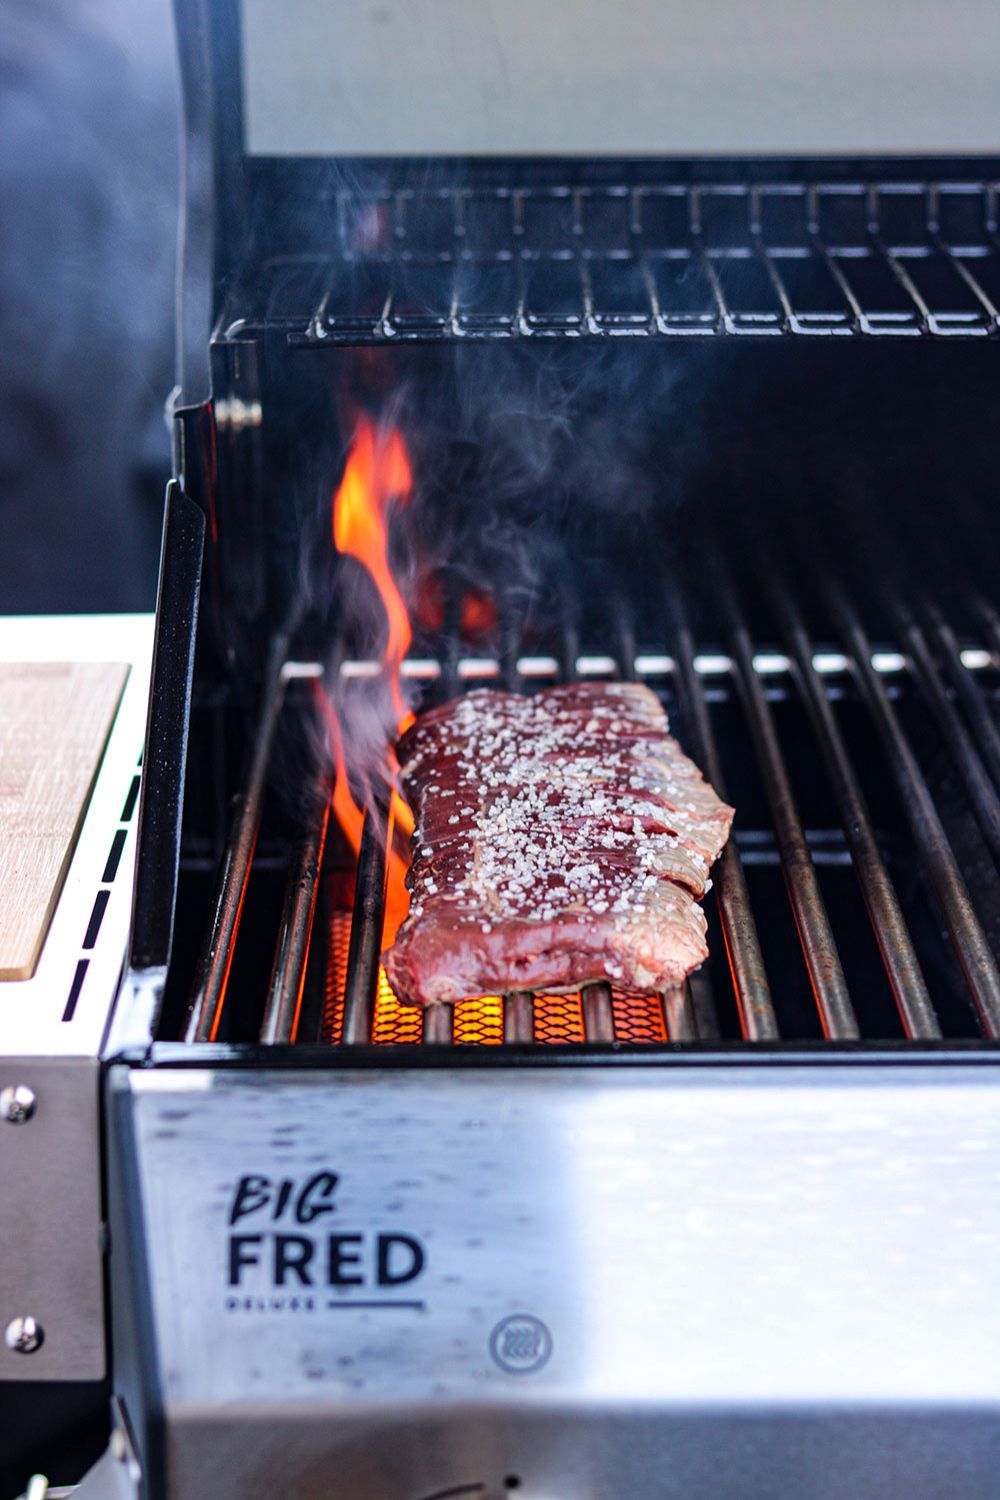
<point x="621" y="826"/>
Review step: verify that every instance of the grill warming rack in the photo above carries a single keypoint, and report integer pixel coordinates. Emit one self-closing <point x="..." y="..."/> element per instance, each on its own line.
<point x="814" y="259"/>
<point x="934" y="663"/>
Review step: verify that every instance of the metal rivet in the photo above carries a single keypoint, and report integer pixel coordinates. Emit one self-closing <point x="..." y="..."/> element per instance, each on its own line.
<point x="17" y="1103"/>
<point x="24" y="1335"/>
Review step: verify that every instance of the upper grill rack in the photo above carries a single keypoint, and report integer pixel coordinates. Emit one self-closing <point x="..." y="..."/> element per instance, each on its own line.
<point x="945" y="680"/>
<point x="816" y="259"/>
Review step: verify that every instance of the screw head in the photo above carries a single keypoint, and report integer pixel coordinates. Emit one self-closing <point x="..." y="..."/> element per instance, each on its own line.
<point x="24" y="1335"/>
<point x="17" y="1103"/>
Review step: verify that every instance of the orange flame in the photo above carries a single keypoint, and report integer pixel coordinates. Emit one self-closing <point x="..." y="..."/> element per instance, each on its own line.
<point x="377" y="473"/>
<point x="377" y="476"/>
<point x="478" y="614"/>
<point x="430" y="602"/>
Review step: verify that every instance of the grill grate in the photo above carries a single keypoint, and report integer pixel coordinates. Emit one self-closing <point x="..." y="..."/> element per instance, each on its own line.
<point x="738" y="701"/>
<point x="813" y="259"/>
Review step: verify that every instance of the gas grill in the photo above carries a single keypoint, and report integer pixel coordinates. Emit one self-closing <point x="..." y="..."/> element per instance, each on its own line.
<point x="687" y="407"/>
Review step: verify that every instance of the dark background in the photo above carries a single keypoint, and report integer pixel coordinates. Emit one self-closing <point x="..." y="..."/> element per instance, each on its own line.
<point x="88" y="187"/>
<point x="88" y="224"/>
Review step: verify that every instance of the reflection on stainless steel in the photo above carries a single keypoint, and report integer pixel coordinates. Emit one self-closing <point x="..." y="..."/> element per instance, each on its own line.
<point x="728" y="1188"/>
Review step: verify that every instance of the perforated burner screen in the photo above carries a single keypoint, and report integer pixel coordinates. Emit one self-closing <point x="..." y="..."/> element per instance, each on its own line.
<point x="557" y="1018"/>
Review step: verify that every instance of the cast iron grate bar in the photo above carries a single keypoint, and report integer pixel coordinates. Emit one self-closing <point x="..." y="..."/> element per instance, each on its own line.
<point x="905" y="978"/>
<point x="753" y="994"/>
<point x="598" y="1013"/>
<point x="819" y="946"/>
<point x="439" y="1025"/>
<point x="518" y="1005"/>
<point x="518" y="1017"/>
<point x="970" y="694"/>
<point x="367" y="918"/>
<point x="679" y="1014"/>
<point x="706" y="1014"/>
<point x="936" y="854"/>
<point x="284" y="999"/>
<point x="979" y="788"/>
<point x="595" y="999"/>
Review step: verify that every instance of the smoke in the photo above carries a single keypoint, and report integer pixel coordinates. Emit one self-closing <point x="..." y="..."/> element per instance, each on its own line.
<point x="543" y="466"/>
<point x="539" y="470"/>
<point x="88" y="175"/>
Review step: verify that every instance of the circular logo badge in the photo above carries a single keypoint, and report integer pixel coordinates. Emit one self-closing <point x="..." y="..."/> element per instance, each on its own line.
<point x="521" y="1344"/>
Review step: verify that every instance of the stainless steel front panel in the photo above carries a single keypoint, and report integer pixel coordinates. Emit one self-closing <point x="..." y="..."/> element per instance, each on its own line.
<point x="623" y="1254"/>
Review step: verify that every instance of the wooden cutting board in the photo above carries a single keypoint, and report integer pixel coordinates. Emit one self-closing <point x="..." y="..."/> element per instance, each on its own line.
<point x="55" y="718"/>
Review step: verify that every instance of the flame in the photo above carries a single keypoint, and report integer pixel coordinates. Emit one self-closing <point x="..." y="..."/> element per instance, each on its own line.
<point x="430" y="603"/>
<point x="377" y="478"/>
<point x="478" y="614"/>
<point x="376" y="474"/>
<point x="346" y="810"/>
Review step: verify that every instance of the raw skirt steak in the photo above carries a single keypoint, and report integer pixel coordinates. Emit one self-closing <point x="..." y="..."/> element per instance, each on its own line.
<point x="560" y="839"/>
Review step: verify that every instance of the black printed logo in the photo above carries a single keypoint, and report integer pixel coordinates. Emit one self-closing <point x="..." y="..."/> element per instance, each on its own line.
<point x="282" y="1246"/>
<point x="521" y="1344"/>
<point x="300" y="1202"/>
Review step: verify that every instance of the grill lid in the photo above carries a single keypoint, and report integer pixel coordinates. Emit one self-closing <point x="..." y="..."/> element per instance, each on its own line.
<point x="647" y="78"/>
<point x="449" y="135"/>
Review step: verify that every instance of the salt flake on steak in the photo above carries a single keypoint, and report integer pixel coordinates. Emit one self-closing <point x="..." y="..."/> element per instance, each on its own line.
<point x="578" y="846"/>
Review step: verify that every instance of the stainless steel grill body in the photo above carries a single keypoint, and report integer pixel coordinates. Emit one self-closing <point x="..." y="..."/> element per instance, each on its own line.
<point x="728" y="1282"/>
